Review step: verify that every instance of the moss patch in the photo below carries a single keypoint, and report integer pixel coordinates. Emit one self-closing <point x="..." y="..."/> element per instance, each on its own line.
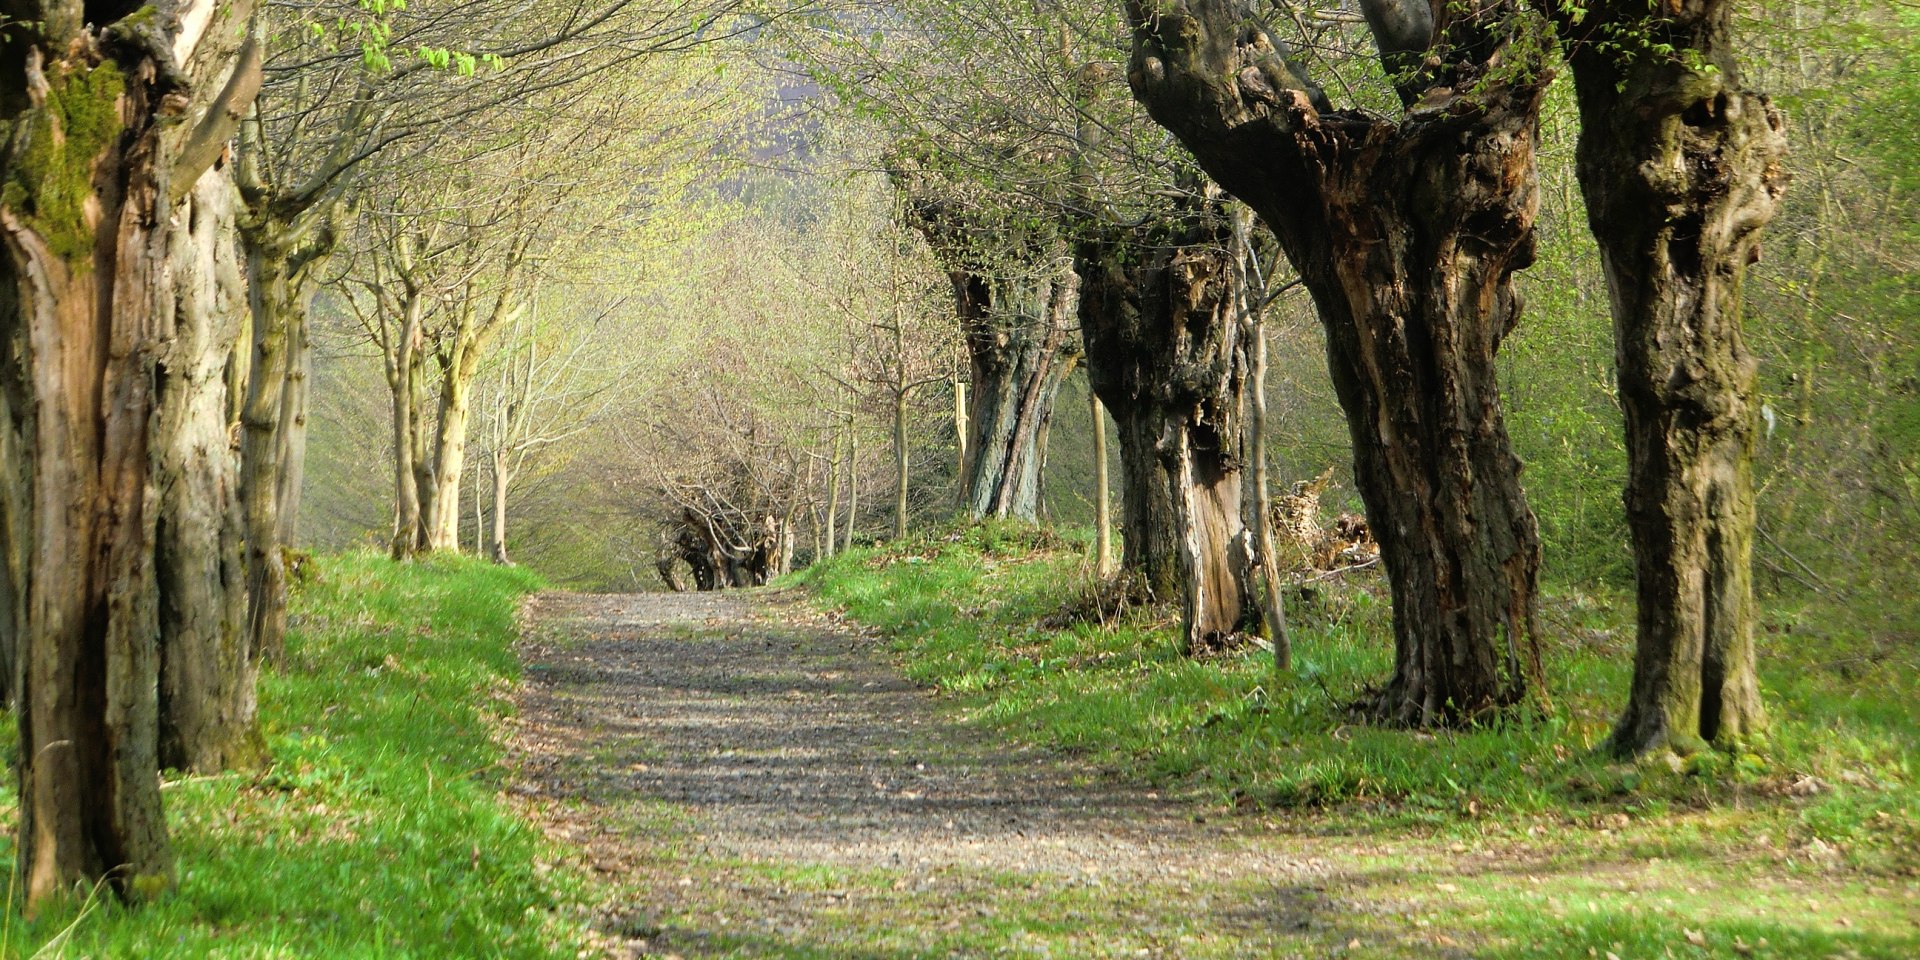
<point x="50" y="175"/>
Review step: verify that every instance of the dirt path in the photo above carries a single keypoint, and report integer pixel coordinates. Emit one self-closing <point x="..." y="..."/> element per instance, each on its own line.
<point x="762" y="783"/>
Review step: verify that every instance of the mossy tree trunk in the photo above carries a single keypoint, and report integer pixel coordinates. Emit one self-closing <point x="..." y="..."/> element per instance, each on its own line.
<point x="109" y="130"/>
<point x="1681" y="169"/>
<point x="1163" y="340"/>
<point x="1406" y="232"/>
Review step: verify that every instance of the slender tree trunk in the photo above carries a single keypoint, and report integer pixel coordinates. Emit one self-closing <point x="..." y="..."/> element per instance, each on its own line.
<point x="402" y="375"/>
<point x="961" y="449"/>
<point x="853" y="482"/>
<point x="207" y="668"/>
<point x="833" y="497"/>
<point x="1164" y="353"/>
<point x="1102" y="503"/>
<point x="900" y="464"/>
<point x="450" y="455"/>
<point x="1253" y="308"/>
<point x="500" y="480"/>
<point x="292" y="432"/>
<point x="420" y="438"/>
<point x="1682" y="168"/>
<point x="1407" y="234"/>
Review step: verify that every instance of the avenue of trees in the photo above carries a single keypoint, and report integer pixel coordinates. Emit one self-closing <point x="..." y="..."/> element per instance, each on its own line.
<point x="685" y="296"/>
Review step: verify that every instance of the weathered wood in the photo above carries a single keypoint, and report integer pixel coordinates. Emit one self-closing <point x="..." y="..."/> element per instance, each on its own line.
<point x="1157" y="314"/>
<point x="1407" y="233"/>
<point x="87" y="232"/>
<point x="1682" y="168"/>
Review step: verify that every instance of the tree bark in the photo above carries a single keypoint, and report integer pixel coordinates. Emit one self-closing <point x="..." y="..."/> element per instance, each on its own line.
<point x="208" y="667"/>
<point x="1406" y="233"/>
<point x="1682" y="168"/>
<point x="498" y="549"/>
<point x="1163" y="341"/>
<point x="282" y="256"/>
<point x="403" y="376"/>
<point x="1102" y="502"/>
<point x="97" y="121"/>
<point x="1017" y="339"/>
<point x="899" y="465"/>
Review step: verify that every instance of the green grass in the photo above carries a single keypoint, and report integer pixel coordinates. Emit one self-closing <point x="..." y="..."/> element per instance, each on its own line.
<point x="1740" y="843"/>
<point x="377" y="832"/>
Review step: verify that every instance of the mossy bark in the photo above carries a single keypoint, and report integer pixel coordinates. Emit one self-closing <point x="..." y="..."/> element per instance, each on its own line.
<point x="1681" y="169"/>
<point x="1407" y="233"/>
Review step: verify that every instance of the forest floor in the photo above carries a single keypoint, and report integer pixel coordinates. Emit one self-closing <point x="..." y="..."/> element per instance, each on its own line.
<point x="749" y="778"/>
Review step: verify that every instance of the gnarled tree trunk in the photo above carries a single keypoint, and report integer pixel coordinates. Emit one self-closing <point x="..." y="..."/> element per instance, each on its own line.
<point x="1407" y="234"/>
<point x="208" y="666"/>
<point x="90" y="167"/>
<point x="1682" y="168"/>
<point x="1158" y="315"/>
<point x="1019" y="349"/>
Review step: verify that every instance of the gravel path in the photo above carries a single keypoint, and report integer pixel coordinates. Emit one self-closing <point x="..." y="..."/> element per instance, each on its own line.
<point x="759" y="781"/>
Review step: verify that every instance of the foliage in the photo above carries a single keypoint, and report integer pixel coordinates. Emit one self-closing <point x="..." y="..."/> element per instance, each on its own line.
<point x="378" y="831"/>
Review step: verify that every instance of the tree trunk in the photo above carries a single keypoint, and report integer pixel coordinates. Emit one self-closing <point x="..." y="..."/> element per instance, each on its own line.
<point x="1017" y="340"/>
<point x="87" y="314"/>
<point x="1682" y="168"/>
<point x="833" y="497"/>
<point x="282" y="256"/>
<point x="402" y="383"/>
<point x="420" y="452"/>
<point x="1407" y="234"/>
<point x="1102" y="503"/>
<point x="900" y="464"/>
<point x="207" y="668"/>
<point x="1163" y="342"/>
<point x="1251" y="306"/>
<point x="500" y="479"/>
<point x="853" y="482"/>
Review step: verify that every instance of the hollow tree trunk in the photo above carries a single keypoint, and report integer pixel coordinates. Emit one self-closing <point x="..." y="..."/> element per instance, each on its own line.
<point x="208" y="667"/>
<point x="1163" y="343"/>
<point x="1682" y="168"/>
<point x="87" y="302"/>
<point x="1407" y="234"/>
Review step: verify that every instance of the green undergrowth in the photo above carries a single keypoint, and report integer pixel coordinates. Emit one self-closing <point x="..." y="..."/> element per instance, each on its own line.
<point x="377" y="831"/>
<point x="1009" y="620"/>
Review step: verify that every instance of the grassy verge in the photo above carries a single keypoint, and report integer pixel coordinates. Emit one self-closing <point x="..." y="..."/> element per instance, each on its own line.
<point x="1811" y="843"/>
<point x="377" y="831"/>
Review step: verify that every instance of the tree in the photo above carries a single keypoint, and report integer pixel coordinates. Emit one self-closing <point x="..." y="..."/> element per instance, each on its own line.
<point x="1015" y="303"/>
<point x="114" y="127"/>
<point x="1681" y="167"/>
<point x="1406" y="232"/>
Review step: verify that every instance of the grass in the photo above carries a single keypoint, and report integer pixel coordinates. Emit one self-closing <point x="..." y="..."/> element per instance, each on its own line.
<point x="377" y="831"/>
<point x="1515" y="839"/>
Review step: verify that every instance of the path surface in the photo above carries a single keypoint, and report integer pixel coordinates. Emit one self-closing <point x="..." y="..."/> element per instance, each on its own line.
<point x="763" y="783"/>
